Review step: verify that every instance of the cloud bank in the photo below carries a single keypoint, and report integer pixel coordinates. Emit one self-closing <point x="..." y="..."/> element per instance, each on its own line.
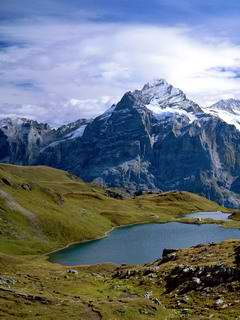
<point x="59" y="71"/>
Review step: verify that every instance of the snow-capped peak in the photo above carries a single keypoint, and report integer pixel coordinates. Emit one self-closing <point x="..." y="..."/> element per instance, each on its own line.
<point x="227" y="110"/>
<point x="162" y="90"/>
<point x="155" y="83"/>
<point x="164" y="100"/>
<point x="230" y="105"/>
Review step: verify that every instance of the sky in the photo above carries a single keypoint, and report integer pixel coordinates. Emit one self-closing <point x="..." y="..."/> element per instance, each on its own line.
<point x="61" y="60"/>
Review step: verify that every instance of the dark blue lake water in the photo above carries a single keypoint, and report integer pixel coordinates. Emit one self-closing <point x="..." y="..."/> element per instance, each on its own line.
<point x="142" y="243"/>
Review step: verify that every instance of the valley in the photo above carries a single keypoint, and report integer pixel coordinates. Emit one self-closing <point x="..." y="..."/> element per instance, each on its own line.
<point x="43" y="209"/>
<point x="119" y="160"/>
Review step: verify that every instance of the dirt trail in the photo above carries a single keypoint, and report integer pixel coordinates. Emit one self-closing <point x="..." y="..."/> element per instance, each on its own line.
<point x="12" y="204"/>
<point x="92" y="313"/>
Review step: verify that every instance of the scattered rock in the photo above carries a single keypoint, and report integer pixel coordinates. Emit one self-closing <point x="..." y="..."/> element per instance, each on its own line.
<point x="166" y="252"/>
<point x="156" y="301"/>
<point x="212" y="244"/>
<point x="26" y="186"/>
<point x="185" y="298"/>
<point x="219" y="302"/>
<point x="113" y="194"/>
<point x="126" y="274"/>
<point x="7" y="281"/>
<point x="6" y="182"/>
<point x="199" y="245"/>
<point x="153" y="275"/>
<point x="148" y="295"/>
<point x="168" y="255"/>
<point x="185" y="311"/>
<point x="196" y="280"/>
<point x="179" y="303"/>
<point x="72" y="271"/>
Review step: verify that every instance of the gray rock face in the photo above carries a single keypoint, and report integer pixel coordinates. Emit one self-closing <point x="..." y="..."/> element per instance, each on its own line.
<point x="153" y="139"/>
<point x="21" y="140"/>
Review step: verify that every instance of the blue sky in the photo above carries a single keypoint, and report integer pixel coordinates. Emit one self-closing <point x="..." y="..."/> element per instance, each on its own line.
<point x="141" y="11"/>
<point x="65" y="59"/>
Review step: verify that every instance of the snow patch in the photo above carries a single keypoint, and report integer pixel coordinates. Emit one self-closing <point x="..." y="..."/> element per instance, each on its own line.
<point x="70" y="136"/>
<point x="228" y="117"/>
<point x="162" y="113"/>
<point x="227" y="110"/>
<point x="76" y="133"/>
<point x="107" y="114"/>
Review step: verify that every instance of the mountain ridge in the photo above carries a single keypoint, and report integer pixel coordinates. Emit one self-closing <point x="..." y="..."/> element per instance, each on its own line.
<point x="152" y="139"/>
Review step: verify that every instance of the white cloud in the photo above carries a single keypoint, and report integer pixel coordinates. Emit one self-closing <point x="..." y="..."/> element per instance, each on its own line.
<point x="66" y="71"/>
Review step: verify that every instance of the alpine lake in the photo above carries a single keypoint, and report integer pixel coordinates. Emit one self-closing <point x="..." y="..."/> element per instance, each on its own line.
<point x="143" y="243"/>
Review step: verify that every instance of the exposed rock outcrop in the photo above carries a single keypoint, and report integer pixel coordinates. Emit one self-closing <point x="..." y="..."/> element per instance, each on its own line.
<point x="153" y="139"/>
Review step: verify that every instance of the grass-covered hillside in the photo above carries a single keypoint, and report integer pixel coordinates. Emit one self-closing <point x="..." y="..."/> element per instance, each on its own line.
<point x="190" y="284"/>
<point x="42" y="209"/>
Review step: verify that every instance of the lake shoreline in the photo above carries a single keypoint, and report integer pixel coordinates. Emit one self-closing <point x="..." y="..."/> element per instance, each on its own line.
<point x="104" y="235"/>
<point x="192" y="221"/>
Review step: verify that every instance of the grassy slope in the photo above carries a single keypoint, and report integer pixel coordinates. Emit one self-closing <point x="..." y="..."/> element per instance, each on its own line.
<point x="46" y="291"/>
<point x="63" y="209"/>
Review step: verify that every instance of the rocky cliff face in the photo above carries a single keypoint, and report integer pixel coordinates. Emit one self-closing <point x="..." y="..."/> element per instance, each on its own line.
<point x="153" y="139"/>
<point x="21" y="140"/>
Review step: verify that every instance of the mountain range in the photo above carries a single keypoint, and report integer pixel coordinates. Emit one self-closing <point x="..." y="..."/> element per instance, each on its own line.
<point x="153" y="139"/>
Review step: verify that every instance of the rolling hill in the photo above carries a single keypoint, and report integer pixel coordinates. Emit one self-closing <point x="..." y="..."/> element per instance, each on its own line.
<point x="42" y="209"/>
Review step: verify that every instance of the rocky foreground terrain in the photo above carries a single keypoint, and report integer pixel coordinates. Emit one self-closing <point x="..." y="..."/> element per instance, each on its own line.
<point x="152" y="139"/>
<point x="202" y="282"/>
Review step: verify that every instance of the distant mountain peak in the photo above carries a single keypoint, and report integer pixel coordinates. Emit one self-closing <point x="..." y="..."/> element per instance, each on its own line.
<point x="21" y="121"/>
<point x="154" y="138"/>
<point x="160" y="88"/>
<point x="227" y="104"/>
<point x="227" y="110"/>
<point x="164" y="100"/>
<point x="155" y="83"/>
